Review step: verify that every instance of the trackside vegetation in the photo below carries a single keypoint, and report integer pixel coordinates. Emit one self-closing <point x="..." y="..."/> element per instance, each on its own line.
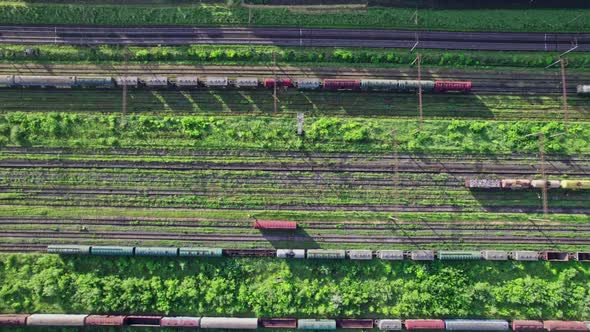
<point x="271" y="287"/>
<point x="544" y="20"/>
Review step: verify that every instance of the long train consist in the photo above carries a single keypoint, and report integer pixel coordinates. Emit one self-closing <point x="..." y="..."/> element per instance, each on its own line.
<point x="526" y="184"/>
<point x="191" y="82"/>
<point x="61" y="320"/>
<point x="358" y="254"/>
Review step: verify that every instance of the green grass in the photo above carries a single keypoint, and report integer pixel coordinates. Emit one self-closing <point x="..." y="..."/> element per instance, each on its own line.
<point x="574" y="20"/>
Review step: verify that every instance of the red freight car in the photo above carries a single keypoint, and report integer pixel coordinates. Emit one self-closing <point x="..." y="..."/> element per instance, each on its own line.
<point x="13" y="320"/>
<point x="280" y="82"/>
<point x="424" y="324"/>
<point x="340" y="84"/>
<point x="444" y="86"/>
<point x="354" y="323"/>
<point x="274" y="224"/>
<point x="564" y="326"/>
<point x="180" y="321"/>
<point x="278" y="323"/>
<point x="527" y="325"/>
<point x="104" y="320"/>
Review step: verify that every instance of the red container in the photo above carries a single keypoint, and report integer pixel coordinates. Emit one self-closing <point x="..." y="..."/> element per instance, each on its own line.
<point x="143" y="320"/>
<point x="354" y="323"/>
<point x="274" y="224"/>
<point x="424" y="324"/>
<point x="13" y="320"/>
<point x="180" y="321"/>
<point x="339" y="84"/>
<point x="104" y="320"/>
<point x="280" y="82"/>
<point x="527" y="325"/>
<point x="443" y="86"/>
<point x="564" y="326"/>
<point x="278" y="323"/>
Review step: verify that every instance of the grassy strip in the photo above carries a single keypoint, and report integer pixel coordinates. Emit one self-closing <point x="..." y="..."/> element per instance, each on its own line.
<point x="271" y="287"/>
<point x="566" y="20"/>
<point x="239" y="54"/>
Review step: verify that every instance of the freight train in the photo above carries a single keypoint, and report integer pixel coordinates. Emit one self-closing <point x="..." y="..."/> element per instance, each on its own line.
<point x="357" y="254"/>
<point x="63" y="320"/>
<point x="526" y="184"/>
<point x="192" y="82"/>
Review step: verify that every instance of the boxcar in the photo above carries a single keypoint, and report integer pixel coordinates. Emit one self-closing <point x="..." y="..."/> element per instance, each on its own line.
<point x="422" y="255"/>
<point x="564" y="326"/>
<point x="476" y="325"/>
<point x="280" y="82"/>
<point x="516" y="183"/>
<point x="134" y="320"/>
<point x="246" y="82"/>
<point x="393" y="255"/>
<point x="325" y="254"/>
<point x="360" y="254"/>
<point x="45" y="81"/>
<point x="7" y="80"/>
<point x="180" y="321"/>
<point x="274" y="224"/>
<point x="95" y="81"/>
<point x="316" y="324"/>
<point x="104" y="320"/>
<point x="56" y="320"/>
<point x="187" y="81"/>
<point x="483" y="184"/>
<point x="583" y="90"/>
<point x="389" y="324"/>
<point x="216" y="82"/>
<point x="308" y="83"/>
<point x="424" y="324"/>
<point x="582" y="256"/>
<point x="555" y="256"/>
<point x="458" y="86"/>
<point x="156" y="251"/>
<point x="525" y="255"/>
<point x="229" y="323"/>
<point x="575" y="184"/>
<point x="155" y="81"/>
<point x="341" y="84"/>
<point x="278" y="323"/>
<point x="13" y="320"/>
<point x="381" y="85"/>
<point x="200" y="252"/>
<point x="291" y="253"/>
<point x="459" y="255"/>
<point x="68" y="249"/>
<point x="112" y="250"/>
<point x="354" y="324"/>
<point x="129" y="81"/>
<point x="494" y="255"/>
<point x="527" y="325"/>
<point x="550" y="184"/>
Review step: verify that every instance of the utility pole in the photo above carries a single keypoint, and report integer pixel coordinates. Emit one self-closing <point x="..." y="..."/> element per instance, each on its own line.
<point x="395" y="164"/>
<point x="564" y="94"/>
<point x="124" y="99"/>
<point x="543" y="174"/>
<point x="274" y="66"/>
<point x="419" y="60"/>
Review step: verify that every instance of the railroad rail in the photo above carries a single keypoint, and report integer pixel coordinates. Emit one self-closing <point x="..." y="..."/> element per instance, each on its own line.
<point x="282" y="36"/>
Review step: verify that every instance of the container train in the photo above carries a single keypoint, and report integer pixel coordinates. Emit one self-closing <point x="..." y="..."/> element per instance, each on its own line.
<point x="356" y="254"/>
<point x="192" y="82"/>
<point x="63" y="320"/>
<point x="515" y="184"/>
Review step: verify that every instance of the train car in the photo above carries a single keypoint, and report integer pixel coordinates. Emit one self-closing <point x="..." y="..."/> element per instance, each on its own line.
<point x="200" y="252"/>
<point x="380" y="85"/>
<point x="452" y="86"/>
<point x="246" y="82"/>
<point x="550" y="184"/>
<point x="229" y="323"/>
<point x="216" y="82"/>
<point x="13" y="320"/>
<point x="366" y="324"/>
<point x="583" y="90"/>
<point x="128" y="81"/>
<point x="278" y="323"/>
<point x="525" y="255"/>
<point x="424" y="324"/>
<point x="316" y="324"/>
<point x="527" y="325"/>
<point x="68" y="249"/>
<point x="555" y="256"/>
<point x="325" y="254"/>
<point x="360" y="254"/>
<point x="458" y="255"/>
<point x="155" y="81"/>
<point x="147" y="321"/>
<point x="582" y="256"/>
<point x="112" y="251"/>
<point x="7" y="81"/>
<point x="104" y="320"/>
<point x="564" y="326"/>
<point x="274" y="224"/>
<point x="44" y="81"/>
<point x="156" y="251"/>
<point x="186" y="81"/>
<point x="341" y="84"/>
<point x="95" y="82"/>
<point x="494" y="255"/>
<point x="575" y="184"/>
<point x="476" y="325"/>
<point x="290" y="253"/>
<point x="413" y="85"/>
<point x="308" y="83"/>
<point x="280" y="82"/>
<point x="392" y="255"/>
<point x="56" y="320"/>
<point x="389" y="324"/>
<point x="483" y="184"/>
<point x="516" y="183"/>
<point x="180" y="322"/>
<point x="422" y="255"/>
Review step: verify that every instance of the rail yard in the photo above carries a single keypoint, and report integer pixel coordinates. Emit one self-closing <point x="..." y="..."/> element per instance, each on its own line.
<point x="312" y="176"/>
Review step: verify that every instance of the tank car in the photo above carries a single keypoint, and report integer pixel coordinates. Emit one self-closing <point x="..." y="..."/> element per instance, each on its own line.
<point x="396" y="255"/>
<point x="389" y="324"/>
<point x="424" y="324"/>
<point x="290" y="253"/>
<point x="527" y="325"/>
<point x="316" y="324"/>
<point x="413" y="85"/>
<point x="68" y="249"/>
<point x="44" y="81"/>
<point x="180" y="322"/>
<point x="516" y="183"/>
<point x="564" y="326"/>
<point x="186" y="81"/>
<point x="341" y="84"/>
<point x="476" y="325"/>
<point x="280" y="82"/>
<point x="104" y="320"/>
<point x="380" y="85"/>
<point x="7" y="80"/>
<point x="246" y="82"/>
<point x="112" y="250"/>
<point x="229" y="323"/>
<point x="200" y="252"/>
<point x="550" y="184"/>
<point x="308" y="83"/>
<point x="494" y="255"/>
<point x="55" y="320"/>
<point x="94" y="82"/>
<point x="325" y="254"/>
<point x="278" y="323"/>
<point x="452" y="86"/>
<point x="575" y="184"/>
<point x="13" y="320"/>
<point x="422" y="255"/>
<point x="156" y="251"/>
<point x="366" y="324"/>
<point x="216" y="82"/>
<point x="583" y="90"/>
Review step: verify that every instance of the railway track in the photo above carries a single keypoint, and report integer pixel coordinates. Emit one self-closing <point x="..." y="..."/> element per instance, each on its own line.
<point x="298" y="37"/>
